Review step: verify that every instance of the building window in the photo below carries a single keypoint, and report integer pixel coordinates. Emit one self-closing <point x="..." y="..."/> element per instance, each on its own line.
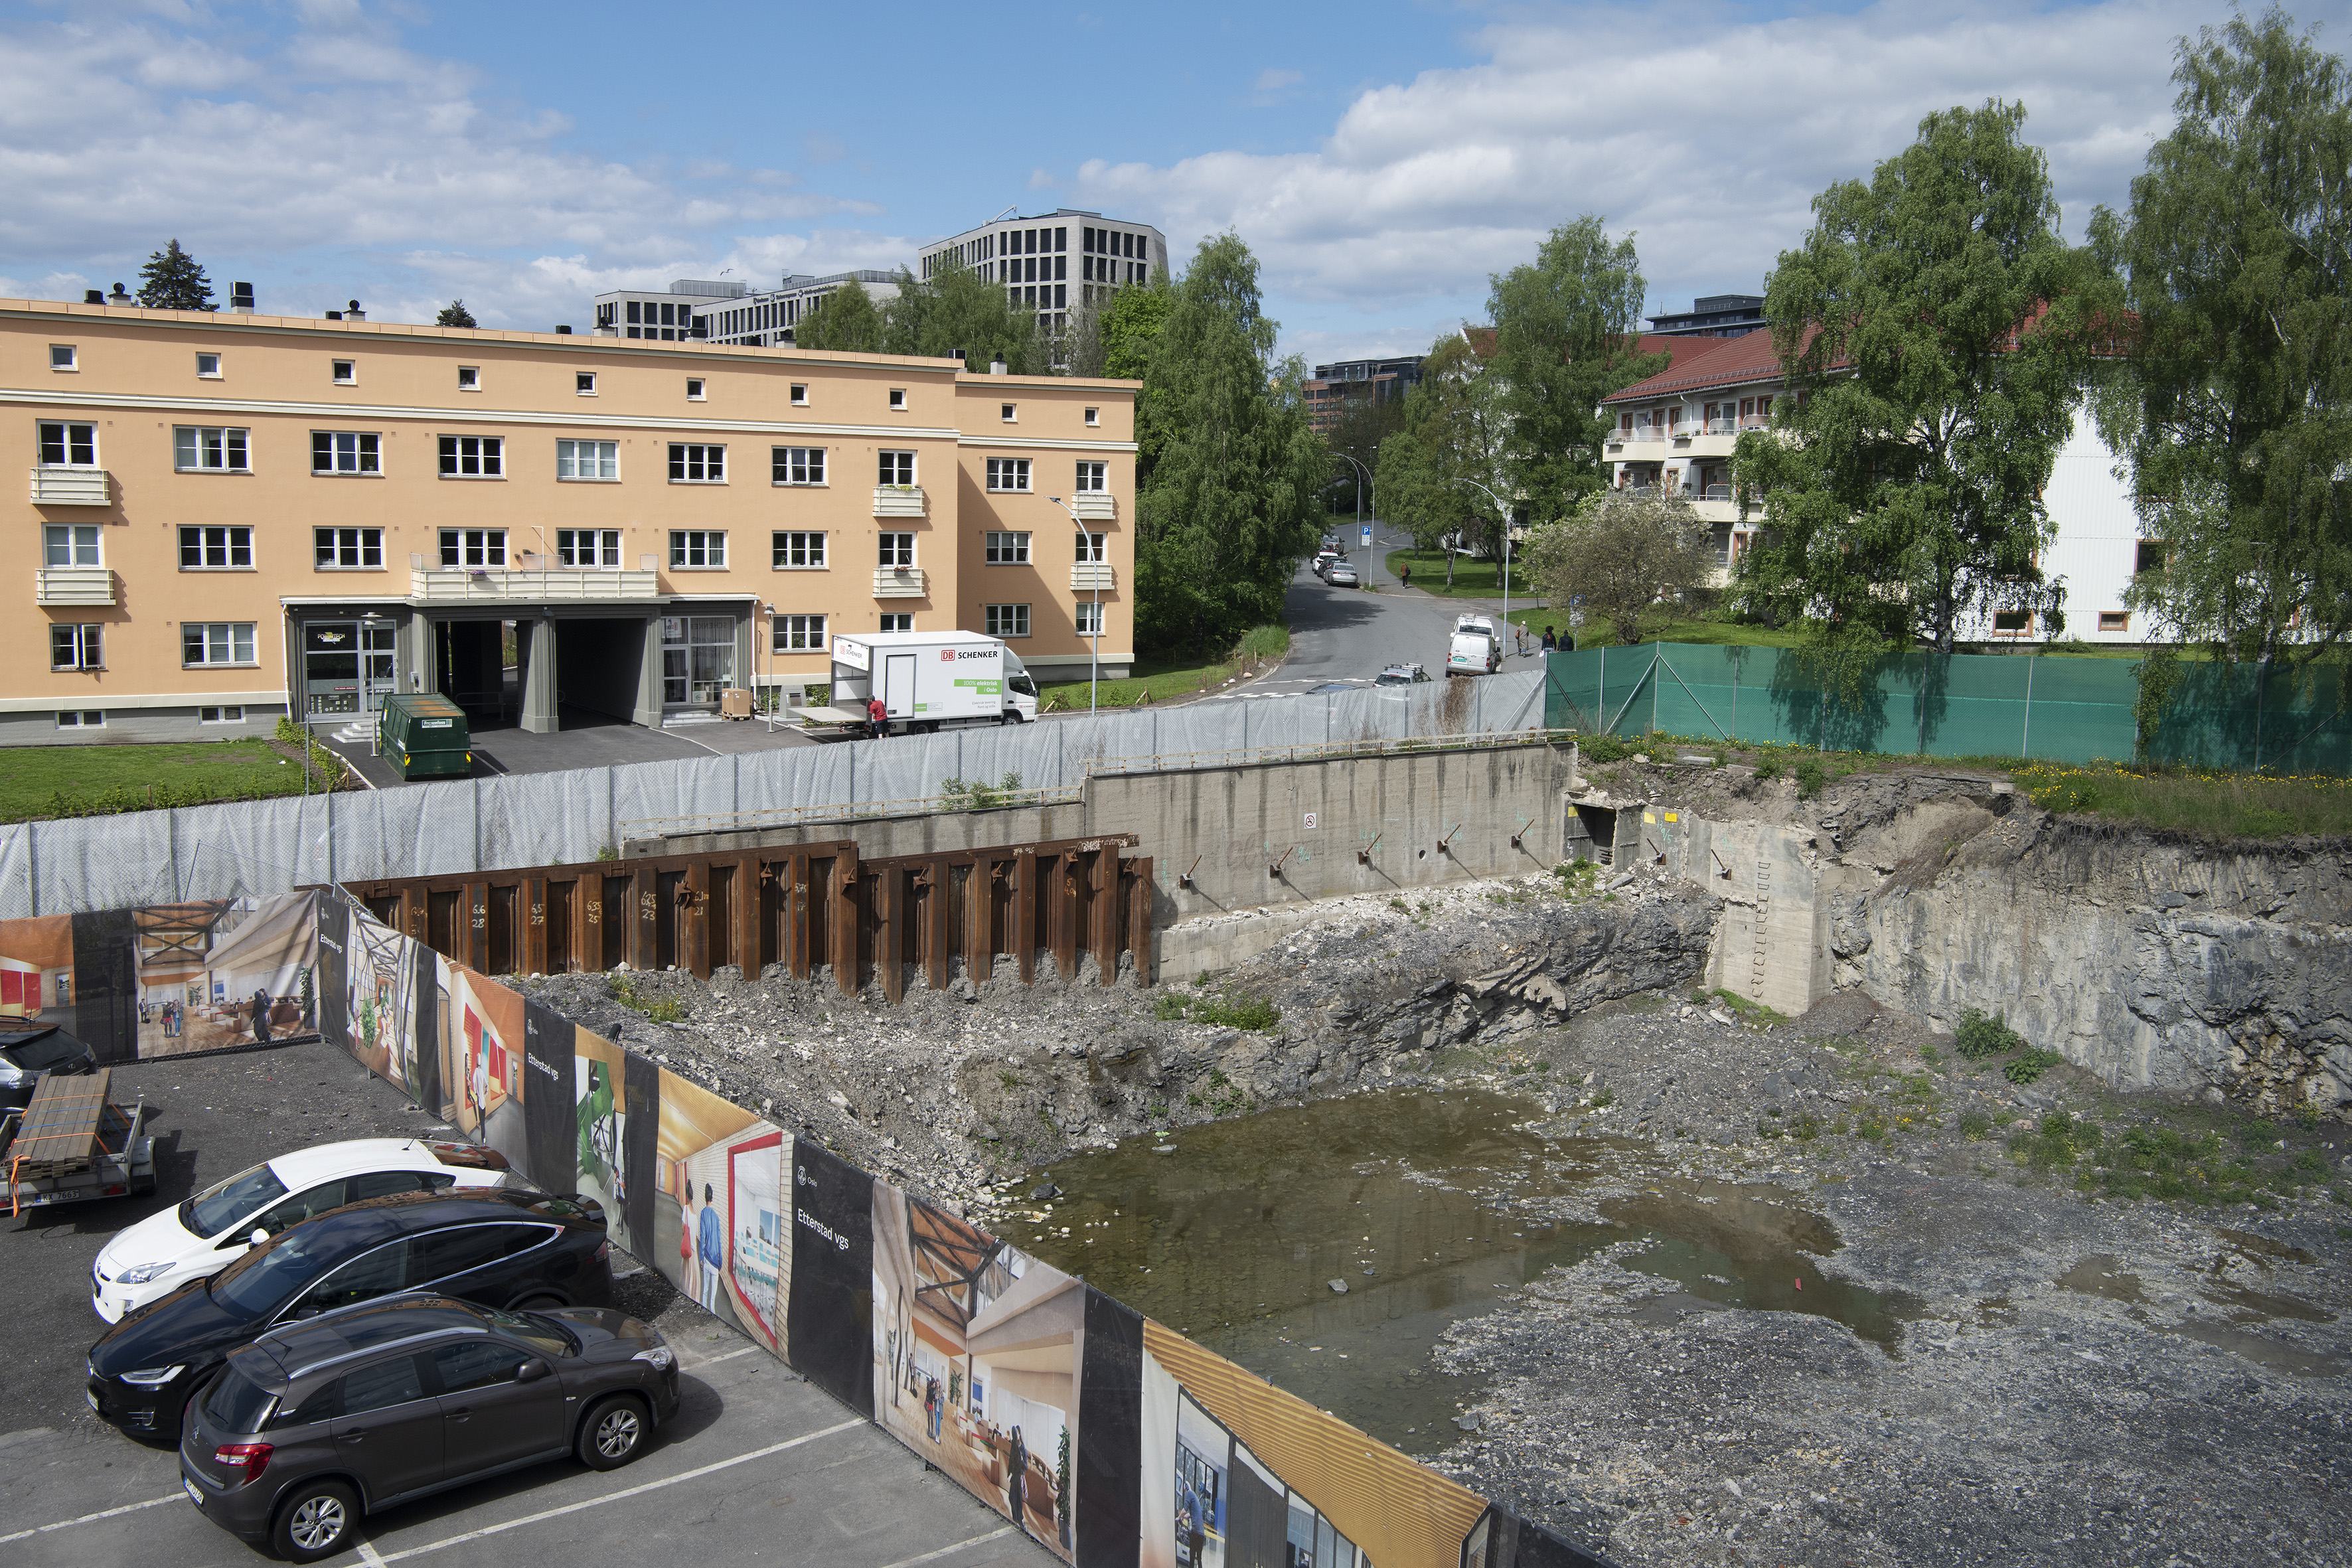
<point x="800" y="399"/>
<point x="216" y="642"/>
<point x="898" y="399"/>
<point x="895" y="551"/>
<point x="2012" y="621"/>
<point x="473" y="457"/>
<point x="1008" y="473"/>
<point x="694" y="389"/>
<point x="798" y="552"/>
<point x="469" y="378"/>
<point x="220" y="715"/>
<point x="903" y="621"/>
<point x="78" y="646"/>
<point x="82" y="719"/>
<point x="474" y="549"/>
<point x="209" y="450"/>
<point x="1093" y="478"/>
<point x="1006" y="620"/>
<point x="348" y="549"/>
<point x="346" y="372"/>
<point x="1089" y="616"/>
<point x="698" y="548"/>
<point x="897" y="469"/>
<point x="62" y="356"/>
<point x="799" y="633"/>
<point x="693" y="463"/>
<point x="1008" y="413"/>
<point x="587" y="460"/>
<point x="798" y="464"/>
<point x="1090" y="548"/>
<point x="1094" y="416"/>
<point x="595" y="547"/>
<point x="2149" y="556"/>
<point x="585" y="382"/>
<point x="2115" y="620"/>
<point x="216" y="549"/>
<point x="208" y="366"/>
<point x="1008" y="550"/>
<point x="69" y="446"/>
<point x="345" y="452"/>
<point x="72" y="544"/>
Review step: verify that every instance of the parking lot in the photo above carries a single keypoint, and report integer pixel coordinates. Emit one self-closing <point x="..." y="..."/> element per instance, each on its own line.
<point x="758" y="1468"/>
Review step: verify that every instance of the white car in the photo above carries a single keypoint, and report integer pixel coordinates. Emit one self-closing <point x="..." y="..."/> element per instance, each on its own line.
<point x="212" y="1230"/>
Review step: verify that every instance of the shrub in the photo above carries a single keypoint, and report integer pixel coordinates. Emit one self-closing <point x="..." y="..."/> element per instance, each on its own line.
<point x="1975" y="1124"/>
<point x="1768" y="768"/>
<point x="1811" y="777"/>
<point x="1603" y="748"/>
<point x="2032" y="1065"/>
<point x="1979" y="1037"/>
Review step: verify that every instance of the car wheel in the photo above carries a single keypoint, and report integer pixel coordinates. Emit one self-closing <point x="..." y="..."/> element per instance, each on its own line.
<point x="614" y="1432"/>
<point x="316" y="1522"/>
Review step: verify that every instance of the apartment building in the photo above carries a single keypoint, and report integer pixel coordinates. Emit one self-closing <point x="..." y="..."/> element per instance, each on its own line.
<point x="1054" y="261"/>
<point x="237" y="516"/>
<point x="1344" y="382"/>
<point x="1675" y="431"/>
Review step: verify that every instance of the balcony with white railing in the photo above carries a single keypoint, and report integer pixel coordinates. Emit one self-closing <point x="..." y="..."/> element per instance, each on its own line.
<point x="900" y="500"/>
<point x="900" y="583"/>
<point x="1095" y="506"/>
<point x="1091" y="576"/>
<point x="514" y="584"/>
<point x="90" y="586"/>
<point x="1637" y="435"/>
<point x="1722" y="428"/>
<point x="54" y="485"/>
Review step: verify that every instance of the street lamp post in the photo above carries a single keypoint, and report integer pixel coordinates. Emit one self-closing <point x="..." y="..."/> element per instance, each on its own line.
<point x="1364" y="482"/>
<point x="1094" y="666"/>
<point x="1506" y="512"/>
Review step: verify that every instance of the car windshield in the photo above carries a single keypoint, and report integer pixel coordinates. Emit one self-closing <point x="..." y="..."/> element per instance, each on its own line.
<point x="213" y="1210"/>
<point x="544" y="1335"/>
<point x="44" y="1052"/>
<point x="236" y="1406"/>
<point x="267" y="1276"/>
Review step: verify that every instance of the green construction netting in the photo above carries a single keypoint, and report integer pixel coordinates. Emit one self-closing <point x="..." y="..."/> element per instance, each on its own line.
<point x="2063" y="709"/>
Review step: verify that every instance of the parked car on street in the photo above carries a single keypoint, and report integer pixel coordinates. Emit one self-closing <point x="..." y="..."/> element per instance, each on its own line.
<point x="1401" y="675"/>
<point x="1323" y="559"/>
<point x="27" y="1056"/>
<point x="212" y="1229"/>
<point x="1341" y="574"/>
<point x="316" y="1424"/>
<point x="506" y="1247"/>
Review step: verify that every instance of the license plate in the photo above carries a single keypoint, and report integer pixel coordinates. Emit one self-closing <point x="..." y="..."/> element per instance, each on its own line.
<point x="92" y="1397"/>
<point x="195" y="1494"/>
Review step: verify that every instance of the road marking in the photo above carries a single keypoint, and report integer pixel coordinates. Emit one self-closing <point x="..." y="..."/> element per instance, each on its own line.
<point x="369" y="1555"/>
<point x="87" y="1518"/>
<point x="611" y="1496"/>
<point x="942" y="1552"/>
<point x="686" y="1366"/>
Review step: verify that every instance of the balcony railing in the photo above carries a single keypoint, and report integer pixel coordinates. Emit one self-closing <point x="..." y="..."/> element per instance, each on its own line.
<point x="55" y="486"/>
<point x="1087" y="576"/>
<point x="1095" y="506"/>
<point x="498" y="585"/>
<point x="1723" y="427"/>
<point x="899" y="583"/>
<point x="73" y="586"/>
<point x="900" y="500"/>
<point x="1638" y="434"/>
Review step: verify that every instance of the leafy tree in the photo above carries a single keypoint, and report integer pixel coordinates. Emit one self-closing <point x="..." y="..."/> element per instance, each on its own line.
<point x="1937" y="332"/>
<point x="1633" y="560"/>
<point x="455" y="314"/>
<point x="1231" y="503"/>
<point x="1131" y="325"/>
<point x="1455" y="427"/>
<point x="1363" y="422"/>
<point x="1566" y="329"/>
<point x="843" y="320"/>
<point x="2234" y="410"/>
<point x="171" y="280"/>
<point x="955" y="307"/>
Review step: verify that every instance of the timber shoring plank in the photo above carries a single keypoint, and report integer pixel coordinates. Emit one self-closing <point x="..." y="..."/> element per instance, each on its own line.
<point x="845" y="917"/>
<point x="59" y="1128"/>
<point x="1103" y="908"/>
<point x="1139" y="919"/>
<point x="694" y="920"/>
<point x="936" y="896"/>
<point x="1022" y="934"/>
<point x="533" y="957"/>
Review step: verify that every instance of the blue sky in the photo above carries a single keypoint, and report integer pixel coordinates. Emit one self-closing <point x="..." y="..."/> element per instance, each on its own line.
<point x="1381" y="159"/>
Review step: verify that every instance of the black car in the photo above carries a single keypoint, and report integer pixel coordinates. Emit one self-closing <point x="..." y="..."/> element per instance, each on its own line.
<point x="29" y="1055"/>
<point x="502" y="1247"/>
<point x="316" y="1423"/>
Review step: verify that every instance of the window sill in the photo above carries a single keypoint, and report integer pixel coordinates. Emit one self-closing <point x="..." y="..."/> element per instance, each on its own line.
<point x="348" y="568"/>
<point x="675" y="567"/>
<point x="226" y="473"/>
<point x="1023" y="564"/>
<point x="254" y="666"/>
<point x="342" y="474"/>
<point x="562" y="480"/>
<point x="698" y="481"/>
<point x="204" y="571"/>
<point x="77" y="669"/>
<point x="783" y="484"/>
<point x="800" y="568"/>
<point x="476" y="478"/>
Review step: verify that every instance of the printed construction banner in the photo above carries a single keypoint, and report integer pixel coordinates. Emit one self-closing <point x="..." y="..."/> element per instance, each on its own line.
<point x="481" y="1057"/>
<point x="718" y="1226"/>
<point x="830" y="1306"/>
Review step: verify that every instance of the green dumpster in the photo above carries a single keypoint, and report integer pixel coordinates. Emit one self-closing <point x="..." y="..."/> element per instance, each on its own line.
<point x="424" y="734"/>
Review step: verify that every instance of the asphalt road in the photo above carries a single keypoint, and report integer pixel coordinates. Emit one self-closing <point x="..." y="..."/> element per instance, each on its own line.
<point x="758" y="1468"/>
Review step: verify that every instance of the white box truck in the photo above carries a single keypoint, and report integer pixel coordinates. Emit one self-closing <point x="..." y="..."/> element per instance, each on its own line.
<point x="927" y="682"/>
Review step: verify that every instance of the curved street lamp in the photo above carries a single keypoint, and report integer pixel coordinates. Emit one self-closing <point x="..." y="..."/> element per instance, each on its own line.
<point x="1506" y="514"/>
<point x="1363" y="484"/>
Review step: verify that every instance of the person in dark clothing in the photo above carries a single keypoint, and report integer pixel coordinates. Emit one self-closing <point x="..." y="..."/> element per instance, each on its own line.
<point x="1016" y="1481"/>
<point x="1404" y="576"/>
<point x="1551" y="640"/>
<point x="261" y="1016"/>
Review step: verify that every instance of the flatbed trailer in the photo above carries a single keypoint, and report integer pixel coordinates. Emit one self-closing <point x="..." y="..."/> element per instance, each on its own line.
<point x="73" y="1143"/>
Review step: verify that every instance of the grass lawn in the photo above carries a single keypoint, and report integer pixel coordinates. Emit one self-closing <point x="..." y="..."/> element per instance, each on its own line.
<point x="1162" y="680"/>
<point x="1726" y="634"/>
<point x="1473" y="578"/>
<point x="76" y="781"/>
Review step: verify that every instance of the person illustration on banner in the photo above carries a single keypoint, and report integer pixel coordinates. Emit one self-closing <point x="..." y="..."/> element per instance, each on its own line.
<point x="931" y="1410"/>
<point x="1193" y="1525"/>
<point x="1016" y="1481"/>
<point x="261" y="1017"/>
<point x="686" y="1282"/>
<point x="714" y="1250"/>
<point x="481" y="1089"/>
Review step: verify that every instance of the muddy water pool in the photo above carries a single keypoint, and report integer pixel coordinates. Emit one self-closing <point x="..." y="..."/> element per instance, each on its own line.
<point x="1426" y="1206"/>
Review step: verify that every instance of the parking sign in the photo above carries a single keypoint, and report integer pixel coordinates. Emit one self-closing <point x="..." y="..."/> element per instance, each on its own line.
<point x="1368" y="536"/>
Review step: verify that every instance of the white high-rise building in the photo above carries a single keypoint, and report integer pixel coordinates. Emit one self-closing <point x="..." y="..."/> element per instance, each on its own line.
<point x="770" y="317"/>
<point x="1054" y="262"/>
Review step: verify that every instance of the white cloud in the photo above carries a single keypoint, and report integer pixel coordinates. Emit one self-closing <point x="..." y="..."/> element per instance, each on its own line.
<point x="331" y="161"/>
<point x="1708" y="136"/>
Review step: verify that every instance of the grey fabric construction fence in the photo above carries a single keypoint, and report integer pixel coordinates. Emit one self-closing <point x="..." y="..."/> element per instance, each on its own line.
<point x="252" y="847"/>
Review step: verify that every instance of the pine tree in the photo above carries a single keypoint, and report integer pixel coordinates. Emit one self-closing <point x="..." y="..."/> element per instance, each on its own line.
<point x="173" y="281"/>
<point x="455" y="314"/>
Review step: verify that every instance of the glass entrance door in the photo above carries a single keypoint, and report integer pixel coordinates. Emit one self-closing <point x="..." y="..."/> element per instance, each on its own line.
<point x="697" y="659"/>
<point x="377" y="666"/>
<point x="330" y="668"/>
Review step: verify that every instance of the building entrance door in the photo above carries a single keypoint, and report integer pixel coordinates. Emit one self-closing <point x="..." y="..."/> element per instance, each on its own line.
<point x="378" y="675"/>
<point x="330" y="668"/>
<point x="697" y="659"/>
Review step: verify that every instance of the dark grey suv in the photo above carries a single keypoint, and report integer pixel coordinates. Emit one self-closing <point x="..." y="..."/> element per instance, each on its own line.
<point x="320" y="1422"/>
